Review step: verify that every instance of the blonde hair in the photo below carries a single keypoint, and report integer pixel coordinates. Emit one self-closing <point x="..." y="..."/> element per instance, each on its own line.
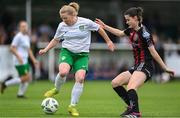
<point x="72" y="9"/>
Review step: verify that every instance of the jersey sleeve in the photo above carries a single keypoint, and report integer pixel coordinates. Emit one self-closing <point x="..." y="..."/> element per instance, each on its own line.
<point x="59" y="34"/>
<point x="127" y="31"/>
<point x="92" y="26"/>
<point x="148" y="38"/>
<point x="15" y="41"/>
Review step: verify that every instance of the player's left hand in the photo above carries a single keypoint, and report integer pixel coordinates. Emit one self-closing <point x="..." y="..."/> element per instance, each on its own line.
<point x="111" y="46"/>
<point x="42" y="51"/>
<point x="170" y="71"/>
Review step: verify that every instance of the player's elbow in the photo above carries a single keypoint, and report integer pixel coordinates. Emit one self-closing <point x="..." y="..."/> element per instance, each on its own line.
<point x="119" y="34"/>
<point x="154" y="54"/>
<point x="11" y="48"/>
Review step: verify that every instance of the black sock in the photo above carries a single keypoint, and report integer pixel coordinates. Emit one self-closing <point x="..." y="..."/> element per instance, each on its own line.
<point x="121" y="91"/>
<point x="133" y="100"/>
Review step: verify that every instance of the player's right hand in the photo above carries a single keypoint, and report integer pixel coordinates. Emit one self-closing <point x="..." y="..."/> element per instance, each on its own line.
<point x="42" y="51"/>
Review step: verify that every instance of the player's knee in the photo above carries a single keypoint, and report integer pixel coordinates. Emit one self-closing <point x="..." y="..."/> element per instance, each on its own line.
<point x="25" y="78"/>
<point x="80" y="81"/>
<point x="80" y="78"/>
<point x="114" y="83"/>
<point x="63" y="73"/>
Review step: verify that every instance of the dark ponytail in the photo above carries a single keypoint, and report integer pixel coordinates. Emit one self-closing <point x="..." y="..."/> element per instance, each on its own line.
<point x="135" y="11"/>
<point x="140" y="14"/>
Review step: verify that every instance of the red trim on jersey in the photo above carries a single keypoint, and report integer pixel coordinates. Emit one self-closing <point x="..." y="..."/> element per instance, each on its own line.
<point x="134" y="49"/>
<point x="142" y="57"/>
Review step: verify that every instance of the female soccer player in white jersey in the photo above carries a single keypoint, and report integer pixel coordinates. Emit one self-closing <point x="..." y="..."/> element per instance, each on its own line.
<point x="20" y="47"/>
<point x="76" y="35"/>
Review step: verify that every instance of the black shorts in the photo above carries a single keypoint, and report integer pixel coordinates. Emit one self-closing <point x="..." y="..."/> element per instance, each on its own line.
<point x="146" y="67"/>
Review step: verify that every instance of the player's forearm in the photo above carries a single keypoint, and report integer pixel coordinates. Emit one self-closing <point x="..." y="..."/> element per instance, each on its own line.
<point x="52" y="44"/>
<point x="104" y="35"/>
<point x="14" y="51"/>
<point x="158" y="59"/>
<point x="114" y="31"/>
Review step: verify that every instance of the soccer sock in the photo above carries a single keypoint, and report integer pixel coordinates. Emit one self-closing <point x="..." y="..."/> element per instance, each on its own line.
<point x="133" y="100"/>
<point x="121" y="91"/>
<point x="22" y="88"/>
<point x="13" y="82"/>
<point x="59" y="81"/>
<point x="76" y="93"/>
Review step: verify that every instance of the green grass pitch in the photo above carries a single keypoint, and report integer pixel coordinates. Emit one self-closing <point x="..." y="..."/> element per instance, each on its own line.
<point x="97" y="100"/>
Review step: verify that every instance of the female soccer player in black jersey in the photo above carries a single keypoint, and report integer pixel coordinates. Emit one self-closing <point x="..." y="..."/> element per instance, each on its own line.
<point x="144" y="52"/>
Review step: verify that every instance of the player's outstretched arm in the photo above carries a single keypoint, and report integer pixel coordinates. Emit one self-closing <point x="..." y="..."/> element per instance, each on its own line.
<point x="106" y="38"/>
<point x="52" y="44"/>
<point x="158" y="59"/>
<point x="114" y="31"/>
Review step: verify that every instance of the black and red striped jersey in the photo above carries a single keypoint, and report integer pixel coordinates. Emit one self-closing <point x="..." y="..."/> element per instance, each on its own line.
<point x="140" y="41"/>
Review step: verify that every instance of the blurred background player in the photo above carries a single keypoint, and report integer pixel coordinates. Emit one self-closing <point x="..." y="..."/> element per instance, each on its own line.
<point x="144" y="53"/>
<point x="20" y="48"/>
<point x="76" y="34"/>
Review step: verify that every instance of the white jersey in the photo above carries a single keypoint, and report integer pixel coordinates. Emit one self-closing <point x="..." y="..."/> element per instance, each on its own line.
<point x="76" y="38"/>
<point x="22" y="43"/>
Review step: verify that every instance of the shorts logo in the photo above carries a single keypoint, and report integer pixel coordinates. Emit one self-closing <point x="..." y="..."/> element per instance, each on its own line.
<point x="63" y="58"/>
<point x="25" y="71"/>
<point x="81" y="28"/>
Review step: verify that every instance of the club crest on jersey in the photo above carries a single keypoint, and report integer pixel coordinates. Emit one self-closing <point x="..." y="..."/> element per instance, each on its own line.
<point x="81" y="28"/>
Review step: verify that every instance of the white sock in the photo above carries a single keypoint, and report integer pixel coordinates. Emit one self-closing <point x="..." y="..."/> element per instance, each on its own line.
<point x="59" y="82"/>
<point x="13" y="82"/>
<point x="22" y="88"/>
<point x="76" y="93"/>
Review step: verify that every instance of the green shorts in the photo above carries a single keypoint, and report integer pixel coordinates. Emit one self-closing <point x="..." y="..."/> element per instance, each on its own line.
<point x="22" y="69"/>
<point x="77" y="61"/>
